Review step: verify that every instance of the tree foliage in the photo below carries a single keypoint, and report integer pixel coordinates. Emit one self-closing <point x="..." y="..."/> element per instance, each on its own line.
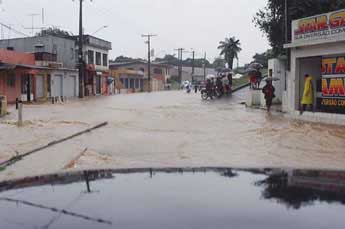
<point x="230" y="48"/>
<point x="122" y="59"/>
<point x="53" y="31"/>
<point x="173" y="60"/>
<point x="262" y="58"/>
<point x="271" y="19"/>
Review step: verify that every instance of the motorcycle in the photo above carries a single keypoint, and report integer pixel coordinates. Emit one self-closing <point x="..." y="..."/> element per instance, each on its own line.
<point x="219" y="91"/>
<point x="206" y="94"/>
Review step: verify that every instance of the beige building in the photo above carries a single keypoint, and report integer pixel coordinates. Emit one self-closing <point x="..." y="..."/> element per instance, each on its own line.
<point x="132" y="77"/>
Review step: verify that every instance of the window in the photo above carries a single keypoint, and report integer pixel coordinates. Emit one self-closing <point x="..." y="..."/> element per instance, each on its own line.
<point x="157" y="71"/>
<point x="90" y="57"/>
<point x="105" y="60"/>
<point x="142" y="69"/>
<point x="132" y="86"/>
<point x="98" y="58"/>
<point x="126" y="83"/>
<point x="72" y="53"/>
<point x="141" y="84"/>
<point x="26" y="83"/>
<point x="136" y="83"/>
<point x="49" y="84"/>
<point x="11" y="79"/>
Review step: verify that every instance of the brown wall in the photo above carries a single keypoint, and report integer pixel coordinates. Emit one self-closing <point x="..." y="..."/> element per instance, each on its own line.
<point x="12" y="93"/>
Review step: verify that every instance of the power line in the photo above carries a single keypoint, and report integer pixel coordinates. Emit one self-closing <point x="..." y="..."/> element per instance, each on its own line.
<point x="32" y="22"/>
<point x="14" y="30"/>
<point x="148" y="42"/>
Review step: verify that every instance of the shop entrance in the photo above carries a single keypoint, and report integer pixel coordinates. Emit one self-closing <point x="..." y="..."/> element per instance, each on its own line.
<point x="98" y="84"/>
<point x="311" y="66"/>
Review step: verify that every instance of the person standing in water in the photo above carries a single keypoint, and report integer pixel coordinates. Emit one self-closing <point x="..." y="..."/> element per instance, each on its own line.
<point x="308" y="97"/>
<point x="268" y="91"/>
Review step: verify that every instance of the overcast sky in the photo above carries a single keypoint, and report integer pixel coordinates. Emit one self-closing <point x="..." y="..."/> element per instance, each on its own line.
<point x="197" y="24"/>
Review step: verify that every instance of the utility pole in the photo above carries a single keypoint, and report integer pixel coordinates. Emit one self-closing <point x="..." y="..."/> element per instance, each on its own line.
<point x="193" y="65"/>
<point x="286" y="22"/>
<point x="205" y="66"/>
<point x="180" y="60"/>
<point x="148" y="42"/>
<point x="81" y="64"/>
<point x="80" y="51"/>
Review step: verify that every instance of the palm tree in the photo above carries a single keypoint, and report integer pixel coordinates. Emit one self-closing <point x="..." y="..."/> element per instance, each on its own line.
<point x="230" y="49"/>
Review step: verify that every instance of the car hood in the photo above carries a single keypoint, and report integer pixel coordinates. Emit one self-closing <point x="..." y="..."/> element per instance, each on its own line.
<point x="176" y="198"/>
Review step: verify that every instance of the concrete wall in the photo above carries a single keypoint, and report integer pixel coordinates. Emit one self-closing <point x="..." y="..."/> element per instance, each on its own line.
<point x="64" y="48"/>
<point x="278" y="71"/>
<point x="10" y="92"/>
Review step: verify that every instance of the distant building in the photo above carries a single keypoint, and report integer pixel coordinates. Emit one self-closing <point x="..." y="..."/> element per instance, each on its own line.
<point x="133" y="76"/>
<point x="198" y="76"/>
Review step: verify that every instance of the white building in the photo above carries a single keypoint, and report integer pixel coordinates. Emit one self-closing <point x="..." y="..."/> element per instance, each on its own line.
<point x="318" y="49"/>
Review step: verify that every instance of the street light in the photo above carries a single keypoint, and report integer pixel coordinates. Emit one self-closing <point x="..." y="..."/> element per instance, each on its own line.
<point x="101" y="28"/>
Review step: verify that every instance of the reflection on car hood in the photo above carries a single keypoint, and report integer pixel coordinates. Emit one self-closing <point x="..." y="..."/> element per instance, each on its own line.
<point x="176" y="198"/>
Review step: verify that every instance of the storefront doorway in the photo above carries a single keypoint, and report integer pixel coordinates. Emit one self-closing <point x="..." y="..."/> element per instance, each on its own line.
<point x="39" y="87"/>
<point x="27" y="88"/>
<point x="98" y="84"/>
<point x="310" y="66"/>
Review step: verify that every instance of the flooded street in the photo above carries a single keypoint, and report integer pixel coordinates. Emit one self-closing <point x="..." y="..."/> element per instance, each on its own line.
<point x="165" y="129"/>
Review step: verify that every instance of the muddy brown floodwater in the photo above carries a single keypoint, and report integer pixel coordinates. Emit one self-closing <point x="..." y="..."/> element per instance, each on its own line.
<point x="166" y="129"/>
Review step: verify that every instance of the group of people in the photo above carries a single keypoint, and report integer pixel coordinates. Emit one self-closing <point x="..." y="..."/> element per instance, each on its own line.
<point x="219" y="86"/>
<point x="255" y="78"/>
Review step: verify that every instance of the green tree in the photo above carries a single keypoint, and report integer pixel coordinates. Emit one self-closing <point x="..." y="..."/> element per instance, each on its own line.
<point x="122" y="59"/>
<point x="230" y="49"/>
<point x="172" y="60"/>
<point x="168" y="59"/>
<point x="262" y="58"/>
<point x="53" y="31"/>
<point x="198" y="63"/>
<point x="271" y="19"/>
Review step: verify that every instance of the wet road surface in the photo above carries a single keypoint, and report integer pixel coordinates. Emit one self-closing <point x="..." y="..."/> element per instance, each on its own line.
<point x="166" y="129"/>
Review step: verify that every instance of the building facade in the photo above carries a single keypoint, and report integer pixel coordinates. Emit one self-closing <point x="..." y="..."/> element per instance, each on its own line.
<point x="98" y="80"/>
<point x="317" y="49"/>
<point x="35" y="77"/>
<point x="134" y="76"/>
